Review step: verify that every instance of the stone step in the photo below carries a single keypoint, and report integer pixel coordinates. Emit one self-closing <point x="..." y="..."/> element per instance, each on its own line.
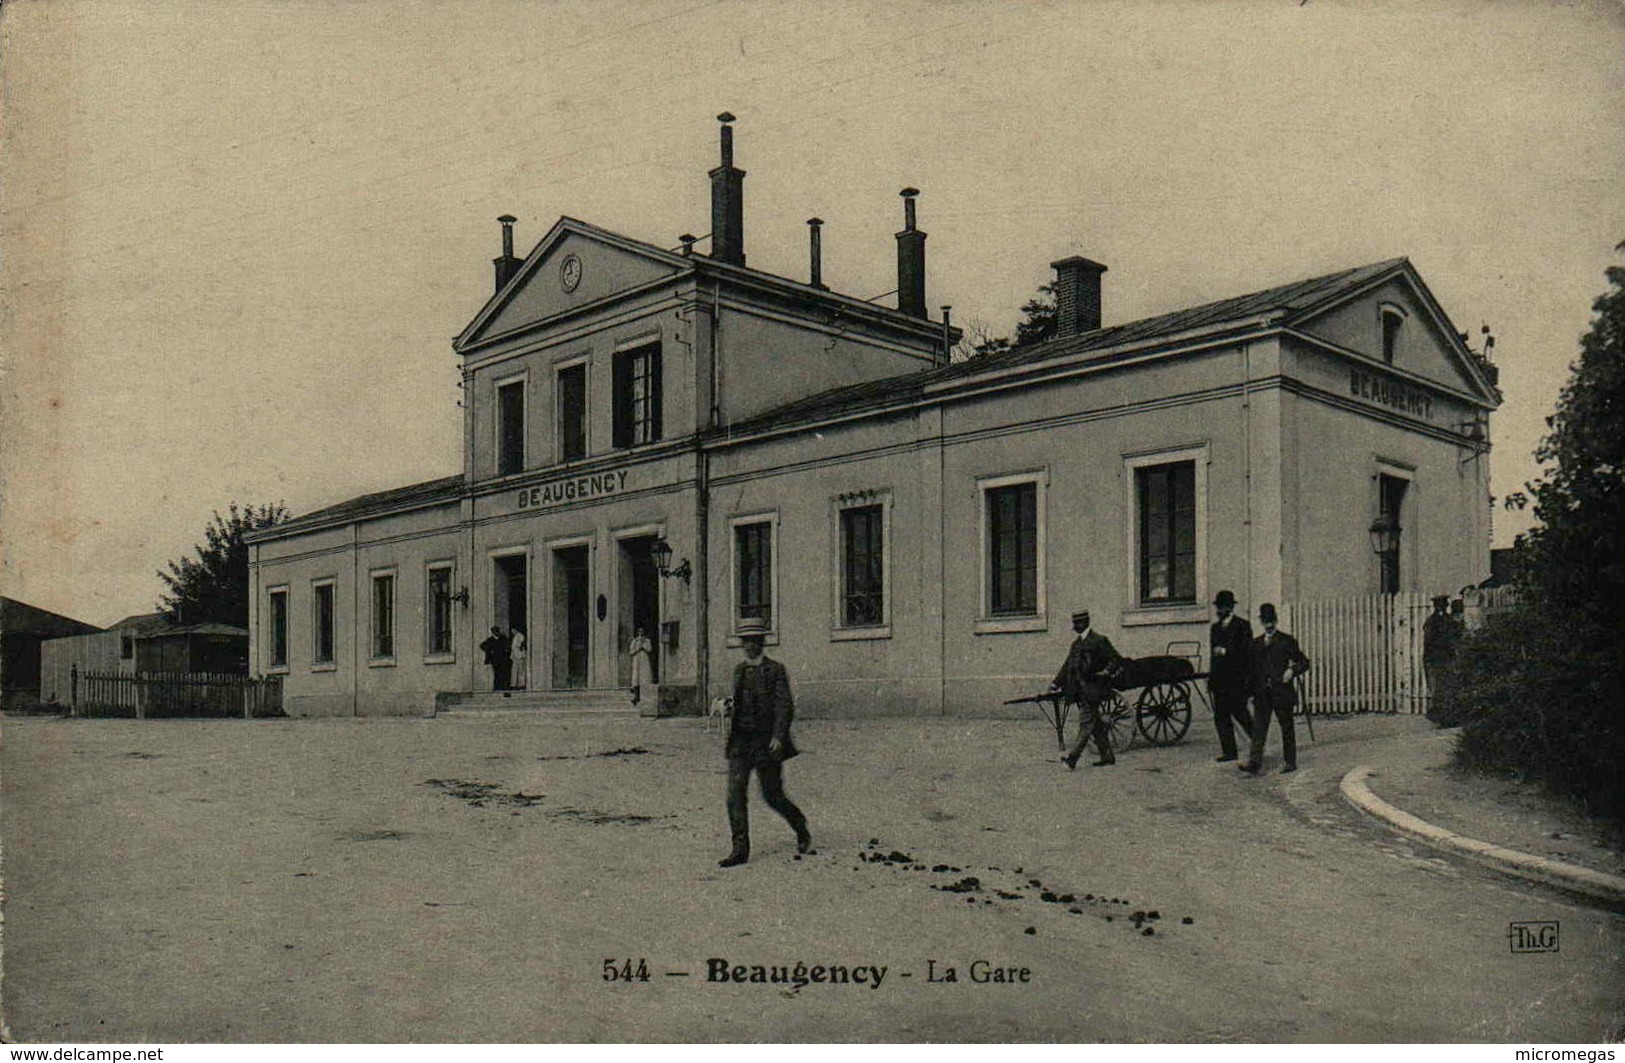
<point x="612" y="701"/>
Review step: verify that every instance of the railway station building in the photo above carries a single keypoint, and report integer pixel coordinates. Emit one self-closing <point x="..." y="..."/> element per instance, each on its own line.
<point x="669" y="441"/>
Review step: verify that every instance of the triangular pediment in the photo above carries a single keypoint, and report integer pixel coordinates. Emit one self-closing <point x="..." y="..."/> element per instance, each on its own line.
<point x="573" y="266"/>
<point x="1426" y="345"/>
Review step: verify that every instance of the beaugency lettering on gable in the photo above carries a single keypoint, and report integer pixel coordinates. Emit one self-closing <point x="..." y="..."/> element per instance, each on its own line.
<point x="1375" y="386"/>
<point x="596" y="270"/>
<point x="572" y="489"/>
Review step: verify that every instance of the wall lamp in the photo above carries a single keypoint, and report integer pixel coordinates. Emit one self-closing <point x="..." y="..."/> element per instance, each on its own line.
<point x="1476" y="438"/>
<point x="1384" y="535"/>
<point x="461" y="597"/>
<point x="660" y="554"/>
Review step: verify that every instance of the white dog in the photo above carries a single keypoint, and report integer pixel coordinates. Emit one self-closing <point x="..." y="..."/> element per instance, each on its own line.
<point x="718" y="712"/>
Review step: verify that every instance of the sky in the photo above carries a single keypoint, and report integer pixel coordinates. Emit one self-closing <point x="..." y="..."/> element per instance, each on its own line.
<point x="237" y="238"/>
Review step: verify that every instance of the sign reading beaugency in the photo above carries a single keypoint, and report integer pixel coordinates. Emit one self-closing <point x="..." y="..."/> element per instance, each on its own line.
<point x="575" y="489"/>
<point x="1381" y="389"/>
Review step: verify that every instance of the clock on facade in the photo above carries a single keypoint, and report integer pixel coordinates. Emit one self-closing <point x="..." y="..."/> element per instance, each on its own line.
<point x="570" y="273"/>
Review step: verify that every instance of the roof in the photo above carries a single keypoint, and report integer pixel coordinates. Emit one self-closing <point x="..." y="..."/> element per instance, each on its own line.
<point x="1287" y="299"/>
<point x="412" y="496"/>
<point x="21" y="618"/>
<point x="472" y="335"/>
<point x="207" y="628"/>
<point x="141" y="623"/>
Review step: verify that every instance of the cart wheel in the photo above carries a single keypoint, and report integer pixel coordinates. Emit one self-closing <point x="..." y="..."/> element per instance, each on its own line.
<point x="1164" y="713"/>
<point x="1119" y="722"/>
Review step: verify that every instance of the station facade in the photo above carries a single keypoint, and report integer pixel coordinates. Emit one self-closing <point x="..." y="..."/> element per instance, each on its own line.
<point x="670" y="442"/>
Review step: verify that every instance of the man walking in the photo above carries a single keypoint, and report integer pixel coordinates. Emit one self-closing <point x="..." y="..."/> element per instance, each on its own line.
<point x="1276" y="662"/>
<point x="1085" y="680"/>
<point x="1230" y="644"/>
<point x="759" y="740"/>
<point x="499" y="655"/>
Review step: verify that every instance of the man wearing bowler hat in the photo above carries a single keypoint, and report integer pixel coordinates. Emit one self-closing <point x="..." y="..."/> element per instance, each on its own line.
<point x="1085" y="680"/>
<point x="1230" y="644"/>
<point x="759" y="741"/>
<point x="1276" y="662"/>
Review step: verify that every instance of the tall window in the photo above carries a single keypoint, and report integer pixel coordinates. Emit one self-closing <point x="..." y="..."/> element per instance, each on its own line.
<point x="279" y="628"/>
<point x="1012" y="549"/>
<point x="753" y="571"/>
<point x="383" y="615"/>
<point x="1391" y="499"/>
<point x="126" y="647"/>
<point x="439" y="609"/>
<point x="862" y="566"/>
<point x="1393" y="319"/>
<point x="510" y="427"/>
<point x="573" y="412"/>
<point x="321" y="648"/>
<point x="637" y="396"/>
<point x="1167" y="532"/>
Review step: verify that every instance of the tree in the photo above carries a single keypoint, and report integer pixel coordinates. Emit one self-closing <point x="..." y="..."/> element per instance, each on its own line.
<point x="1540" y="689"/>
<point x="214" y="585"/>
<point x="1574" y="558"/>
<point x="1037" y="324"/>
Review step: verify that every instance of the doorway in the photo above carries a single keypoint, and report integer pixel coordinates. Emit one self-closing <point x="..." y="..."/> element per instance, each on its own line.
<point x="639" y="606"/>
<point x="510" y="611"/>
<point x="572" y="623"/>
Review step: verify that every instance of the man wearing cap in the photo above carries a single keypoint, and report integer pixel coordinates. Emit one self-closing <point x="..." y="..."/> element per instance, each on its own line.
<point x="1276" y="662"/>
<point x="759" y="740"/>
<point x="1230" y="644"/>
<point x="1085" y="680"/>
<point x="1440" y="633"/>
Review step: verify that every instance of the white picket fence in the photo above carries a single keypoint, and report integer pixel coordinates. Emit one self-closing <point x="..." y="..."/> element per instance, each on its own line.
<point x="1365" y="653"/>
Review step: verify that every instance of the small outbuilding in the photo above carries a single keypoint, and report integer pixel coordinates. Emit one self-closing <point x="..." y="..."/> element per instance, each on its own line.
<point x="23" y="629"/>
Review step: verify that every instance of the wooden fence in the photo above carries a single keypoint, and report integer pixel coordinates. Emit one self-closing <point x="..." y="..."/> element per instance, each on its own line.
<point x="1365" y="653"/>
<point x="1482" y="602"/>
<point x="144" y="694"/>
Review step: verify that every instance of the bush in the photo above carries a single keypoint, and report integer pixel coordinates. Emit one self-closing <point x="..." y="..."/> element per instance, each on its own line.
<point x="1541" y="697"/>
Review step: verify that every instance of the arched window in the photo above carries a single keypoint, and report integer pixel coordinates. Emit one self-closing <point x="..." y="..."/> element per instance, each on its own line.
<point x="1393" y="320"/>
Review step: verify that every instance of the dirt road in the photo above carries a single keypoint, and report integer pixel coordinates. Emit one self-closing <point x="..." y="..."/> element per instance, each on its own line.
<point x="428" y="880"/>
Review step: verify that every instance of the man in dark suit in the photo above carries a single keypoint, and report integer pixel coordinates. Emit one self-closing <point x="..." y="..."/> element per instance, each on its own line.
<point x="498" y="652"/>
<point x="1230" y="644"/>
<point x="1276" y="662"/>
<point x="1085" y="680"/>
<point x="759" y="740"/>
<point x="1440" y="634"/>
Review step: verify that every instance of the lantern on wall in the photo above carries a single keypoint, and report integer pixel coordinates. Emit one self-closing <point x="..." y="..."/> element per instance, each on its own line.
<point x="1384" y="535"/>
<point x="660" y="554"/>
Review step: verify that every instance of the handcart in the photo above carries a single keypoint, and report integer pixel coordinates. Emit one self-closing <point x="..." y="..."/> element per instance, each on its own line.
<point x="1160" y="713"/>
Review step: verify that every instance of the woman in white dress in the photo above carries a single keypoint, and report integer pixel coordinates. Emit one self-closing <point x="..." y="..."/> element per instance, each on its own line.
<point x="639" y="648"/>
<point x="521" y="661"/>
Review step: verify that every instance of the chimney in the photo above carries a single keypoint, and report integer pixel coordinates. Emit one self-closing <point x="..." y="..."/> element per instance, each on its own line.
<point x="728" y="202"/>
<point x="814" y="225"/>
<point x="910" y="260"/>
<point x="687" y="240"/>
<point x="507" y="265"/>
<point x="1077" y="295"/>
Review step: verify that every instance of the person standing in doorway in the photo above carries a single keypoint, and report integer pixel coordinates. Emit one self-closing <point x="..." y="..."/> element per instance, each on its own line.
<point x="1085" y="680"/>
<point x="519" y="660"/>
<point x="759" y="740"/>
<point x="639" y="650"/>
<point x="499" y="655"/>
<point x="1276" y="662"/>
<point x="1230" y="644"/>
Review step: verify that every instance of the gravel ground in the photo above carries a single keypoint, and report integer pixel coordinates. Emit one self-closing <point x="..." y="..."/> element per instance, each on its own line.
<point x="466" y="880"/>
